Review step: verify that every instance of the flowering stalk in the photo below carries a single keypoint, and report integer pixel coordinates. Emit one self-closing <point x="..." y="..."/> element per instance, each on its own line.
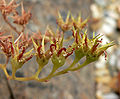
<point x="18" y="58"/>
<point x="21" y="50"/>
<point x="42" y="57"/>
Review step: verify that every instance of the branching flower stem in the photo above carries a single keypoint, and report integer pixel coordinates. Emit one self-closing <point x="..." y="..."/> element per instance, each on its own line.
<point x="17" y="52"/>
<point x="3" y="67"/>
<point x="38" y="72"/>
<point x="10" y="25"/>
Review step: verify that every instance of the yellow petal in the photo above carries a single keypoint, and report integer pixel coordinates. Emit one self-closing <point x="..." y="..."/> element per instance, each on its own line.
<point x="35" y="45"/>
<point x="93" y="34"/>
<point x="59" y="15"/>
<point x="79" y="17"/>
<point x="28" y="53"/>
<point x="104" y="47"/>
<point x="72" y="18"/>
<point x="85" y="21"/>
<point x="68" y="16"/>
<point x="43" y="43"/>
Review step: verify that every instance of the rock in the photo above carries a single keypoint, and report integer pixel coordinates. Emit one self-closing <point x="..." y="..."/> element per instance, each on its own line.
<point x="99" y="94"/>
<point x="96" y="11"/>
<point x="67" y="95"/>
<point x="110" y="96"/>
<point x="101" y="2"/>
<point x="112" y="14"/>
<point x="110" y="21"/>
<point x="118" y="23"/>
<point x="107" y="29"/>
<point x="110" y="28"/>
<point x="118" y="58"/>
<point x="102" y="72"/>
<point x="101" y="63"/>
<point x="112" y="60"/>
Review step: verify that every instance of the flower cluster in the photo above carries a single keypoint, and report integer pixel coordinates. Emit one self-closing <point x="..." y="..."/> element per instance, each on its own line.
<point x="47" y="47"/>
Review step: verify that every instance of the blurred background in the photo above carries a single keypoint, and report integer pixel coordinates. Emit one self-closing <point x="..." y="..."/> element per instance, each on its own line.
<point x="100" y="80"/>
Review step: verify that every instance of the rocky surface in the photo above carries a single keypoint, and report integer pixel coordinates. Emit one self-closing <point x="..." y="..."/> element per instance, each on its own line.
<point x="106" y="15"/>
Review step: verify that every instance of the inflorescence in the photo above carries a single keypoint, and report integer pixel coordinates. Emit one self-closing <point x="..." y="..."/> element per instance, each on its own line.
<point x="20" y="50"/>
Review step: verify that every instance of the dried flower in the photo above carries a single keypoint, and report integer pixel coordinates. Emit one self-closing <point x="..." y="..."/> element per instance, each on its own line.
<point x="24" y="18"/>
<point x="8" y="8"/>
<point x="5" y="47"/>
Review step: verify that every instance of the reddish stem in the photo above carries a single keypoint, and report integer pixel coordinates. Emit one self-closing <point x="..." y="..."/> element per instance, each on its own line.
<point x="38" y="50"/>
<point x="70" y="53"/>
<point x="86" y="43"/>
<point x="94" y="48"/>
<point x="5" y="19"/>
<point x="51" y="47"/>
<point x="60" y="51"/>
<point x="21" y="54"/>
<point x="12" y="49"/>
<point x="28" y="58"/>
<point x="76" y="38"/>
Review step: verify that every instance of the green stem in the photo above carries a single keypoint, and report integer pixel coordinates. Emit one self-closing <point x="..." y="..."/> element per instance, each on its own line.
<point x="24" y="78"/>
<point x="38" y="71"/>
<point x="73" y="63"/>
<point x="66" y="70"/>
<point x="82" y="65"/>
<point x="13" y="72"/>
<point x="69" y="68"/>
<point x="50" y="75"/>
